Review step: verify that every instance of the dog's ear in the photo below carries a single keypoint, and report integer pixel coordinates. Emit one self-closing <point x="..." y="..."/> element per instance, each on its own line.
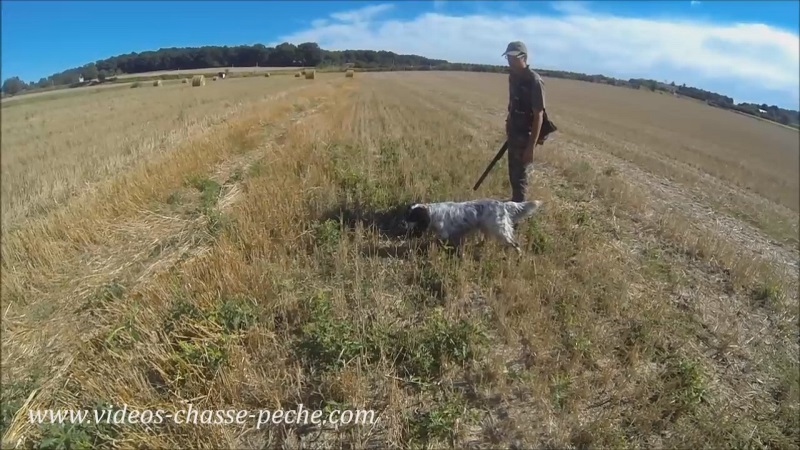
<point x="419" y="216"/>
<point x="412" y="212"/>
<point x="407" y="212"/>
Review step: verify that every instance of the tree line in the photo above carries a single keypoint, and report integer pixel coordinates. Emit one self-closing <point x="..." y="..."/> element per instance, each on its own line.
<point x="309" y="54"/>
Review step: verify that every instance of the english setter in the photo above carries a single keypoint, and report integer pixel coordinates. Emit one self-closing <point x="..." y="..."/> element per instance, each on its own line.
<point x="452" y="221"/>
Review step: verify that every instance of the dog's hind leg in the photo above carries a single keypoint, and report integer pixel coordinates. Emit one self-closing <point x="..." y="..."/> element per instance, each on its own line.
<point x="513" y="242"/>
<point x="505" y="234"/>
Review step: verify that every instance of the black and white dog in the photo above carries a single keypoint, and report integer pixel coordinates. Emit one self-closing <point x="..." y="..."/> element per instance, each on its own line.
<point x="452" y="221"/>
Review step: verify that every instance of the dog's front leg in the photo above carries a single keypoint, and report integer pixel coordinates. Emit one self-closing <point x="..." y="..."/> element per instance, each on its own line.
<point x="455" y="242"/>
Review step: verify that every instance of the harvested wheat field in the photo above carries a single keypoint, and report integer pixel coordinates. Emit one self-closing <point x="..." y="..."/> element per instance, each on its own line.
<point x="208" y="71"/>
<point x="237" y="246"/>
<point x="55" y="148"/>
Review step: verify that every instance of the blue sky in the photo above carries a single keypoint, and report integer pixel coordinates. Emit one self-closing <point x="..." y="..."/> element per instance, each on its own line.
<point x="748" y="50"/>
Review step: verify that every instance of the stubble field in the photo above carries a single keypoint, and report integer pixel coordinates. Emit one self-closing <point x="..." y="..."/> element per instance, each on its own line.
<point x="237" y="246"/>
<point x="209" y="72"/>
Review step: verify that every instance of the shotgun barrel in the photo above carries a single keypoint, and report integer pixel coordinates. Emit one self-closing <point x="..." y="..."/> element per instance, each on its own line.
<point x="491" y="165"/>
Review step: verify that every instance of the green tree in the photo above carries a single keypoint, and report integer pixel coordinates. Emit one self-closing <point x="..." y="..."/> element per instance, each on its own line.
<point x="310" y="52"/>
<point x="14" y="85"/>
<point x="89" y="72"/>
<point x="285" y="55"/>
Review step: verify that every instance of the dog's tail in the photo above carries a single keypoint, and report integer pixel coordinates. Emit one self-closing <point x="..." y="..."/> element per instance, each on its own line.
<point x="521" y="210"/>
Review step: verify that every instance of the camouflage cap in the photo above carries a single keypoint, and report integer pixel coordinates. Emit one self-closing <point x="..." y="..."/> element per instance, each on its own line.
<point x="516" y="48"/>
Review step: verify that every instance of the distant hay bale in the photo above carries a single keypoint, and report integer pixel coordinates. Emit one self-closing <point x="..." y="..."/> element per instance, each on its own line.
<point x="310" y="74"/>
<point x="198" y="80"/>
<point x="136" y="85"/>
<point x="266" y="75"/>
<point x="349" y="73"/>
<point x="215" y="78"/>
<point x="157" y="83"/>
<point x="303" y="72"/>
<point x="297" y="75"/>
<point x="184" y="81"/>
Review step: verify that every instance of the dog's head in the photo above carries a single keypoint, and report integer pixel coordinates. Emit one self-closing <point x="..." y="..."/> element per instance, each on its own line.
<point x="417" y="219"/>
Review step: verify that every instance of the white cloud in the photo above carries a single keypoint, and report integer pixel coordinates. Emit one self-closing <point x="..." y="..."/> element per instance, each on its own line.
<point x="759" y="62"/>
<point x="575" y="8"/>
<point x="694" y="2"/>
<point x="362" y="14"/>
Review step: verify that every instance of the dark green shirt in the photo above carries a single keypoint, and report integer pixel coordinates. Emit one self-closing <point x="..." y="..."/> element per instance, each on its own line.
<point x="525" y="95"/>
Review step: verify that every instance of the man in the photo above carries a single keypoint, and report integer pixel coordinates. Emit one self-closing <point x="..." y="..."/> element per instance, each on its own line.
<point x="525" y="117"/>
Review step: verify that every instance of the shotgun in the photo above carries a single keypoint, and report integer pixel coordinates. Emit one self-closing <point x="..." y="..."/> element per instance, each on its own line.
<point x="491" y="165"/>
<point x="548" y="127"/>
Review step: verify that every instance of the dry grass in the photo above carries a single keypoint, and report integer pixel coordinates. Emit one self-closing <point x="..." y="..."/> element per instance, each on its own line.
<point x="258" y="264"/>
<point x="207" y="71"/>
<point x="55" y="149"/>
<point x="46" y="95"/>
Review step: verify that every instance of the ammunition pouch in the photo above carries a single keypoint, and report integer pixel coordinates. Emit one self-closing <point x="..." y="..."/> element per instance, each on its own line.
<point x="520" y="122"/>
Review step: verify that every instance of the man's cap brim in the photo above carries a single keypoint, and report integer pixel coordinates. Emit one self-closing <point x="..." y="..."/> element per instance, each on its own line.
<point x="512" y="53"/>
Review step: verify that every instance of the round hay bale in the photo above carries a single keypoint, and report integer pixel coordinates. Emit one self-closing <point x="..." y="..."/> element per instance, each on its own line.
<point x="215" y="78"/>
<point x="266" y="75"/>
<point x="349" y="73"/>
<point x="297" y="75"/>
<point x="157" y="83"/>
<point x="184" y="81"/>
<point x="199" y="80"/>
<point x="310" y="74"/>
